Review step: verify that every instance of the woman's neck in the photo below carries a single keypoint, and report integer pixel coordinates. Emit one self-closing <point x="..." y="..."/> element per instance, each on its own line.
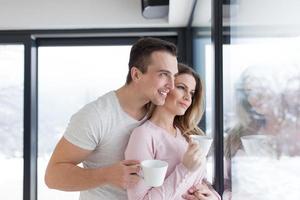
<point x="163" y="119"/>
<point x="272" y="125"/>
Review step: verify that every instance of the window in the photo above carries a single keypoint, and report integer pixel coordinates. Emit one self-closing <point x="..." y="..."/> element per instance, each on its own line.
<point x="69" y="78"/>
<point x="262" y="118"/>
<point x="11" y="121"/>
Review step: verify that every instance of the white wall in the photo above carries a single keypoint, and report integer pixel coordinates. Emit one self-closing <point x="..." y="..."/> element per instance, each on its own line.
<point x="70" y="14"/>
<point x="272" y="15"/>
<point x="75" y="14"/>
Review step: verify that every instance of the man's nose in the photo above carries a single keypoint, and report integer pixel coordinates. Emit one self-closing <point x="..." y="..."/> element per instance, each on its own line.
<point x="171" y="83"/>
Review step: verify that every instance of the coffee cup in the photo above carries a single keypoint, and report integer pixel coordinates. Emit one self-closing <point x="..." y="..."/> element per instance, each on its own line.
<point x="259" y="145"/>
<point x="154" y="172"/>
<point x="204" y="142"/>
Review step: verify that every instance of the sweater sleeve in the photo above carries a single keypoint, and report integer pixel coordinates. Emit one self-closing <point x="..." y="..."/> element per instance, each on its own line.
<point x="142" y="146"/>
<point x="206" y="182"/>
<point x="203" y="180"/>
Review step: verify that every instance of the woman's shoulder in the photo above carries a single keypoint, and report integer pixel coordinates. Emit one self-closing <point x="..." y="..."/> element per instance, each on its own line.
<point x="144" y="129"/>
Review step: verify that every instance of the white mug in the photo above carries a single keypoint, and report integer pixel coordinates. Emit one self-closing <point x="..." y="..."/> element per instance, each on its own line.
<point x="154" y="172"/>
<point x="259" y="145"/>
<point x="204" y="142"/>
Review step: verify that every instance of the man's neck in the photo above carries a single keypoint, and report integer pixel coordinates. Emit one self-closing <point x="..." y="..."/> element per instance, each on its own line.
<point x="132" y="102"/>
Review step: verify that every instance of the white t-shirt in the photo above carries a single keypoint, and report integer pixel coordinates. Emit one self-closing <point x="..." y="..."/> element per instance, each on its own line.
<point x="103" y="127"/>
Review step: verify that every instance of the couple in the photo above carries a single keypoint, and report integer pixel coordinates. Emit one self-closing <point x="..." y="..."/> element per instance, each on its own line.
<point x="97" y="134"/>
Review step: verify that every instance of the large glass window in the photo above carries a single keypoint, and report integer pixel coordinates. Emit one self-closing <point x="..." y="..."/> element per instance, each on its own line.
<point x="261" y="101"/>
<point x="261" y="95"/>
<point x="262" y="118"/>
<point x="261" y="91"/>
<point x="69" y="78"/>
<point x="11" y="121"/>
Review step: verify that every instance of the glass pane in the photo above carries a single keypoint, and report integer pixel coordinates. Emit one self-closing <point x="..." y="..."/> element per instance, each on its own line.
<point x="11" y="121"/>
<point x="202" y="59"/>
<point x="203" y="65"/>
<point x="262" y="102"/>
<point x="69" y="78"/>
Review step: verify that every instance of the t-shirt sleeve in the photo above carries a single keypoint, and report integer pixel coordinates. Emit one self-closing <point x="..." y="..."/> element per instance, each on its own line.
<point x="84" y="128"/>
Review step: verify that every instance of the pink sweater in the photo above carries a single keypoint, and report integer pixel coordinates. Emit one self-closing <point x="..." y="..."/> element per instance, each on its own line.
<point x="152" y="142"/>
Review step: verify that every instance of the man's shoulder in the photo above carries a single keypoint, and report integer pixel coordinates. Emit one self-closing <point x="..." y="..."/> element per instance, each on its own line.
<point x="101" y="105"/>
<point x="105" y="101"/>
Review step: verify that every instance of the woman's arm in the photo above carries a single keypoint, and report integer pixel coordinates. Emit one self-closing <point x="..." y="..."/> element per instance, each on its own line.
<point x="142" y="146"/>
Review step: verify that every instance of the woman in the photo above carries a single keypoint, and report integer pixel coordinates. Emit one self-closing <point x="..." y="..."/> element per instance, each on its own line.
<point x="165" y="136"/>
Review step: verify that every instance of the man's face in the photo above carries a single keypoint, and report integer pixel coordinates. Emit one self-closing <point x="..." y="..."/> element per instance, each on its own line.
<point x="157" y="82"/>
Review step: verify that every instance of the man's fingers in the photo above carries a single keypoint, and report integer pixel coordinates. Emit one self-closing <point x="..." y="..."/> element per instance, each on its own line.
<point x="200" y="195"/>
<point x="204" y="191"/>
<point x="134" y="169"/>
<point x="192" y="190"/>
<point x="130" y="162"/>
<point x="189" y="197"/>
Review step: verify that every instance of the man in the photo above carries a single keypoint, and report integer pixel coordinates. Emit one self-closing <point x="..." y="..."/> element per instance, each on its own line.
<point x="97" y="134"/>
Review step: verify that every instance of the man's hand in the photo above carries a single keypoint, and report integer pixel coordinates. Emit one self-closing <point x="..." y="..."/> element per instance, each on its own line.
<point x="123" y="174"/>
<point x="200" y="192"/>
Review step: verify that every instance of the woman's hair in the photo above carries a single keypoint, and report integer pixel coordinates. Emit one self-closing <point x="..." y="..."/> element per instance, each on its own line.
<point x="188" y="123"/>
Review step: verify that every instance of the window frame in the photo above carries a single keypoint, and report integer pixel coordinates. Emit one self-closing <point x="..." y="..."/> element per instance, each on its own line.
<point x="32" y="39"/>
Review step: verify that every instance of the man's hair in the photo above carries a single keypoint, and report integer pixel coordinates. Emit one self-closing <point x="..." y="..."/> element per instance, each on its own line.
<point x="141" y="51"/>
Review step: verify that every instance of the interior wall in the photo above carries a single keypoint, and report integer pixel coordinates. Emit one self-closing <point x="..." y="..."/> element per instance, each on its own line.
<point x="264" y="15"/>
<point x="73" y="14"/>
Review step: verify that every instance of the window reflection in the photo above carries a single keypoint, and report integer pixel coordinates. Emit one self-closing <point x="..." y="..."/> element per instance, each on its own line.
<point x="261" y="115"/>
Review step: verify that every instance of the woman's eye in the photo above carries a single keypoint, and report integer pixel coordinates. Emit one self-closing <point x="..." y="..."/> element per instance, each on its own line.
<point x="180" y="87"/>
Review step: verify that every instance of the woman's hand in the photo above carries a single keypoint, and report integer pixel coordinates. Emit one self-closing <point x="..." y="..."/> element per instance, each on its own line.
<point x="193" y="157"/>
<point x="200" y="192"/>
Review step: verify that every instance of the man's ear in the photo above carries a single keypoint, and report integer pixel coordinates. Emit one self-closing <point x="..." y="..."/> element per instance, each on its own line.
<point x="135" y="73"/>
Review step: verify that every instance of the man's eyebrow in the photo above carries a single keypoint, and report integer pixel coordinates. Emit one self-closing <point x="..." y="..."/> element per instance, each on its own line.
<point x="165" y="71"/>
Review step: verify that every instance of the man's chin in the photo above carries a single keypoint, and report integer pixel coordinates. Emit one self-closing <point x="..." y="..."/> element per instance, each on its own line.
<point x="159" y="102"/>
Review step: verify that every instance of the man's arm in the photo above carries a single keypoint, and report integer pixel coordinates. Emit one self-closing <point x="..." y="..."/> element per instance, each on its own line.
<point x="63" y="173"/>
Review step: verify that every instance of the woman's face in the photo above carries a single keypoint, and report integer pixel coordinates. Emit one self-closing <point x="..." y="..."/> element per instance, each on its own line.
<point x="180" y="98"/>
<point x="260" y="97"/>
